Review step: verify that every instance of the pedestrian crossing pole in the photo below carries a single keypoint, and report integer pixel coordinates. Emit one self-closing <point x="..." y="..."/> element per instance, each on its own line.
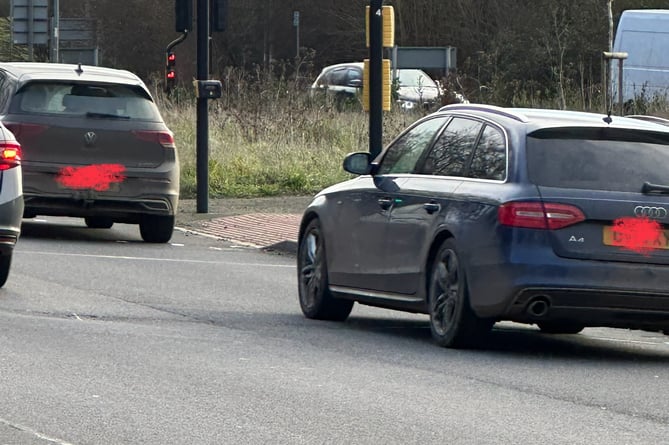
<point x="375" y="20"/>
<point x="202" y="142"/>
<point x="376" y="85"/>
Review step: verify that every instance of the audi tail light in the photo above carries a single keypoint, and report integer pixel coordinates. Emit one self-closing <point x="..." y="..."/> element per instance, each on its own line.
<point x="539" y="215"/>
<point x="10" y="154"/>
<point x="164" y="138"/>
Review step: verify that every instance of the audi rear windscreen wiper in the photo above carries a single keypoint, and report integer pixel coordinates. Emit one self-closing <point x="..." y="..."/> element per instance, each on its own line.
<point x="649" y="188"/>
<point x="105" y="116"/>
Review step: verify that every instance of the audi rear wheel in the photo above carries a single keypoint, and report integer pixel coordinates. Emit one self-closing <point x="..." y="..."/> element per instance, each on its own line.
<point x="453" y="323"/>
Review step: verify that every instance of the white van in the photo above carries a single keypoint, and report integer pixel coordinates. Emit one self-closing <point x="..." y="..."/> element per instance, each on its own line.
<point x="644" y="35"/>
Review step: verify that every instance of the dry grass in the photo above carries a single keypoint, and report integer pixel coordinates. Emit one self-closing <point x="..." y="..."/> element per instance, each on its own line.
<point x="265" y="142"/>
<point x="268" y="136"/>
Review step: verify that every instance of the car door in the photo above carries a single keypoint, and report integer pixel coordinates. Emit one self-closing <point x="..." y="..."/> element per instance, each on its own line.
<point x="424" y="202"/>
<point x="358" y="258"/>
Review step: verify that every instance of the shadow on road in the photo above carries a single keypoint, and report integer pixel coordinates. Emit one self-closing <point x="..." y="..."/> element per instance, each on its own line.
<point x="523" y="342"/>
<point x="72" y="232"/>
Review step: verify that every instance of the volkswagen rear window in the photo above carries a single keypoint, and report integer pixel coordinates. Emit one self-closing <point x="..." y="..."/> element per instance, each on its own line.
<point x="68" y="99"/>
<point x="598" y="158"/>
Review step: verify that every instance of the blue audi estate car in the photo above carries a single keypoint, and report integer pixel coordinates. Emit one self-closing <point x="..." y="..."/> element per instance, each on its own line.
<point x="477" y="214"/>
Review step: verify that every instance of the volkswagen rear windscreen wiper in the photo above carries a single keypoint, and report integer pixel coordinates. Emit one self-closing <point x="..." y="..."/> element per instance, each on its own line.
<point x="106" y="116"/>
<point x="654" y="188"/>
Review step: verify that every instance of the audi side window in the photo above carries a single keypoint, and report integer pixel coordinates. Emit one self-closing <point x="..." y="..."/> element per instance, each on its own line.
<point x="402" y="156"/>
<point x="489" y="160"/>
<point x="451" y="153"/>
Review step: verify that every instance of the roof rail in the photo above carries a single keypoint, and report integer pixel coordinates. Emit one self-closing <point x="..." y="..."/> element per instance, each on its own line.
<point x="488" y="109"/>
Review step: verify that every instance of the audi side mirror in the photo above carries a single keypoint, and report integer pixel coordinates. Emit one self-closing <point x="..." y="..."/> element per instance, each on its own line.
<point x="358" y="163"/>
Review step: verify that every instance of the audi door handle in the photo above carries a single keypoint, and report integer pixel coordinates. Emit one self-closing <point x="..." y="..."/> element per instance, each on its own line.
<point x="431" y="207"/>
<point x="385" y="203"/>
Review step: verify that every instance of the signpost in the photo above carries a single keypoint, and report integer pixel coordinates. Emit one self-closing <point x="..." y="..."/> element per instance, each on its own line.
<point x="30" y="23"/>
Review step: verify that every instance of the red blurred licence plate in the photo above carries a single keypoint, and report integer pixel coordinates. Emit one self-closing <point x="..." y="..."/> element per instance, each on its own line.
<point x="613" y="237"/>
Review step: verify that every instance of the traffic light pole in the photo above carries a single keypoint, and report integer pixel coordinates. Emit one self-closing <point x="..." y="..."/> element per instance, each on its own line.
<point x="202" y="150"/>
<point x="170" y="64"/>
<point x="176" y="41"/>
<point x="375" y="77"/>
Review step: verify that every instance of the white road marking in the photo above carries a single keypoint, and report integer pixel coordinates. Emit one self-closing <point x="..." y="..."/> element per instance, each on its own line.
<point x="37" y="434"/>
<point x="166" y="260"/>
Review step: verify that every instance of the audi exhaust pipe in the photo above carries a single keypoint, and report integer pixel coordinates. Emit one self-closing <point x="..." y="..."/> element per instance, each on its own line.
<point x="539" y="306"/>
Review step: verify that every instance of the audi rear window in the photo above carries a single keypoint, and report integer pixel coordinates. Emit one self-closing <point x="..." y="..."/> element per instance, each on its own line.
<point x="77" y="99"/>
<point x="598" y="158"/>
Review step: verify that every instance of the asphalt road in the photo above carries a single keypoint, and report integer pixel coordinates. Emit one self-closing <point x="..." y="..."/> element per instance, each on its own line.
<point x="107" y="340"/>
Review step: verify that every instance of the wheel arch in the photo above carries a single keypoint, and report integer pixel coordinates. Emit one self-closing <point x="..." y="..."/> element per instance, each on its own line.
<point x="439" y="238"/>
<point x="309" y="216"/>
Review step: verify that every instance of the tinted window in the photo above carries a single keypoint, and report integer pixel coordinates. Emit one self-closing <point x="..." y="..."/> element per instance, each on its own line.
<point x="598" y="158"/>
<point x="405" y="152"/>
<point x="338" y="77"/>
<point x="79" y="99"/>
<point x="489" y="160"/>
<point x="354" y="74"/>
<point x="5" y="90"/>
<point x="451" y="152"/>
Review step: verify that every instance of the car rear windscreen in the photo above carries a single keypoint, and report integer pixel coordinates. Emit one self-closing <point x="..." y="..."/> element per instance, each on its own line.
<point x="76" y="99"/>
<point x="598" y="158"/>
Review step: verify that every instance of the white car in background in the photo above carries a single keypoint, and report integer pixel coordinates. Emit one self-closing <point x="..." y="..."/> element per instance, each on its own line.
<point x="344" y="80"/>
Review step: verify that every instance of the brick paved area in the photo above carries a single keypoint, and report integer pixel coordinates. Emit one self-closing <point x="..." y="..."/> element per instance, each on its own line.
<point x="257" y="229"/>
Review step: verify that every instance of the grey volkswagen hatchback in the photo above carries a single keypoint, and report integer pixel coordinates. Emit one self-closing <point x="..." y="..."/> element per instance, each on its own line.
<point x="94" y="146"/>
<point x="477" y="214"/>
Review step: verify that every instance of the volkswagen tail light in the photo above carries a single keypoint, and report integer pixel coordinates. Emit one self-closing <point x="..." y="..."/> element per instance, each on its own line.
<point x="164" y="138"/>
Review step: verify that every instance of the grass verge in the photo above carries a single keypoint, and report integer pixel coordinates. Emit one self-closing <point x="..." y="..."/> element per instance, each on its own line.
<point x="277" y="146"/>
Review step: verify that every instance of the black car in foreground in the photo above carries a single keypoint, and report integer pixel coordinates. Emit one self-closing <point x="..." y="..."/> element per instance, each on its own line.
<point x="94" y="146"/>
<point x="477" y="214"/>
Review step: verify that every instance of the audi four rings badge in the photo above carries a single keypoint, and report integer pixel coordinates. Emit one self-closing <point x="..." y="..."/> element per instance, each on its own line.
<point x="650" y="212"/>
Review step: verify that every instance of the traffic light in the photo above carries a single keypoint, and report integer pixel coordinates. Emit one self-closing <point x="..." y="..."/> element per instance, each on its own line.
<point x="388" y="27"/>
<point x="170" y="71"/>
<point x="386" y="82"/>
<point x="218" y="15"/>
<point x="183" y="14"/>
